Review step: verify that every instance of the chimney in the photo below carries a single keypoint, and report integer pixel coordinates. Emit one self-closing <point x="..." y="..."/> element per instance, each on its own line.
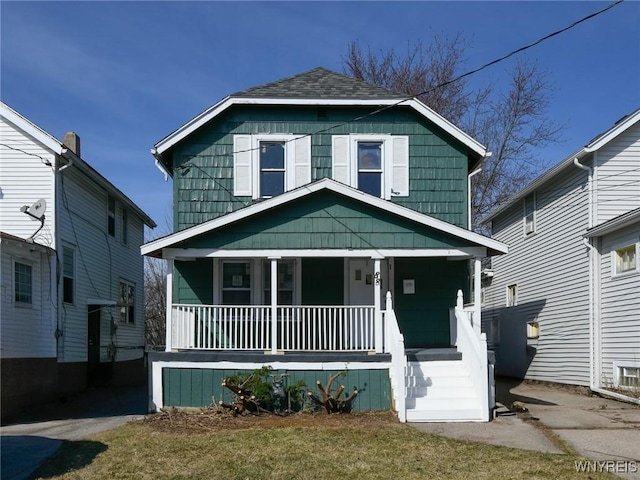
<point x="71" y="140"/>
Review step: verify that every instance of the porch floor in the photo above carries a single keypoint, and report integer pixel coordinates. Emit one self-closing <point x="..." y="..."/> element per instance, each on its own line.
<point x="247" y="356"/>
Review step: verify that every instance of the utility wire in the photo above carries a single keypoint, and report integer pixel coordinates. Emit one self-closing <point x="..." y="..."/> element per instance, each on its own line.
<point x="443" y="84"/>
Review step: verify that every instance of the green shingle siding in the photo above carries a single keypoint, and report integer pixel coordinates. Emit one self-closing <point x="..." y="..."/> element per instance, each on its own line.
<point x="423" y="317"/>
<point x="193" y="282"/>
<point x="438" y="164"/>
<point x="328" y="221"/>
<point x="195" y="387"/>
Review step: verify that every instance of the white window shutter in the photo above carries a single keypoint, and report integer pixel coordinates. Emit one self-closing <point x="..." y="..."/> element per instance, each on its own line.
<point x="301" y="160"/>
<point x="242" y="168"/>
<point x="400" y="167"/>
<point x="341" y="167"/>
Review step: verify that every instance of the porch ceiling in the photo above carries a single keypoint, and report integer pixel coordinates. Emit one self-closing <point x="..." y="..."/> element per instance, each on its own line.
<point x="324" y="218"/>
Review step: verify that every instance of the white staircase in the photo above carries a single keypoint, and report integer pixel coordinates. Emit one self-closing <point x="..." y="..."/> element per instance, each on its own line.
<point x="441" y="391"/>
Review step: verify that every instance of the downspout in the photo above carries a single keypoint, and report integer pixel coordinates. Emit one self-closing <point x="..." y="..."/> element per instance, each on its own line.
<point x="159" y="164"/>
<point x="594" y="340"/>
<point x="475" y="172"/>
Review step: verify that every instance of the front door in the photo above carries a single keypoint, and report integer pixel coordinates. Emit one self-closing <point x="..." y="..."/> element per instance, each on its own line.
<point x="361" y="281"/>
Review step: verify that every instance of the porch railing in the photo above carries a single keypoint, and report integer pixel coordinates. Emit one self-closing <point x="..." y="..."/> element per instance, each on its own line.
<point x="395" y="346"/>
<point x="473" y="346"/>
<point x="292" y="328"/>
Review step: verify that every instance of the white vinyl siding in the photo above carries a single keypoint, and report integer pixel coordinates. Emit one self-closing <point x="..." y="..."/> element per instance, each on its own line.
<point x="246" y="162"/>
<point x="26" y="332"/>
<point x="25" y="178"/>
<point x="618" y="176"/>
<point x="101" y="261"/>
<point x="620" y="307"/>
<point x="551" y="270"/>
<point x="395" y="166"/>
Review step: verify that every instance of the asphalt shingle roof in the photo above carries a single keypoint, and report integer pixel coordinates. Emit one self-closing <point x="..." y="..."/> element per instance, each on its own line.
<point x="319" y="83"/>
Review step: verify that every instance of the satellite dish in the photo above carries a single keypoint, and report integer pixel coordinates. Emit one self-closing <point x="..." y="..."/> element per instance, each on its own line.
<point x="35" y="211"/>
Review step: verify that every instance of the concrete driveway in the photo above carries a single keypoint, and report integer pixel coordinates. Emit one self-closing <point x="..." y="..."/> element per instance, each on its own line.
<point x="598" y="429"/>
<point x="35" y="436"/>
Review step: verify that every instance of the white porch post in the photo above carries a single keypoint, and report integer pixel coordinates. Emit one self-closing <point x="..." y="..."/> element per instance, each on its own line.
<point x="477" y="294"/>
<point x="169" y="307"/>
<point x="377" y="280"/>
<point x="274" y="305"/>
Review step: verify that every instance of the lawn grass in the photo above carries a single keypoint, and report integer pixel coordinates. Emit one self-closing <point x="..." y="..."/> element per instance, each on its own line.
<point x="386" y="451"/>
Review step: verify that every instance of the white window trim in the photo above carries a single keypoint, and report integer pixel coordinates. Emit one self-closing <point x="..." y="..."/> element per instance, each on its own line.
<point x="252" y="275"/>
<point x="614" y="259"/>
<point x="246" y="161"/>
<point x="13" y="283"/>
<point x="515" y="299"/>
<point x="534" y="226"/>
<point x="617" y="365"/>
<point x="388" y="164"/>
<point x="75" y="273"/>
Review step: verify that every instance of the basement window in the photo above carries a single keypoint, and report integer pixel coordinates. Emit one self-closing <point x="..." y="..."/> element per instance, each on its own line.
<point x="625" y="259"/>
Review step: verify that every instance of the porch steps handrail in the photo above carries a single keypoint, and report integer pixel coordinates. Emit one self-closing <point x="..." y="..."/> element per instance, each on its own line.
<point x="394" y="344"/>
<point x="473" y="346"/>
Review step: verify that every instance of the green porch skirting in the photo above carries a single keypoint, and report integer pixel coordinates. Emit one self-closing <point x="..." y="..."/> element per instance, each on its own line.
<point x="196" y="387"/>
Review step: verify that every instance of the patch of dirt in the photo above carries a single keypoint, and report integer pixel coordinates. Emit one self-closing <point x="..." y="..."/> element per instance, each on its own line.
<point x="191" y="421"/>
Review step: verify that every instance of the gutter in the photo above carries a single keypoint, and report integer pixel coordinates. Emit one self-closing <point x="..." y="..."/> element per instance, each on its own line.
<point x="595" y="366"/>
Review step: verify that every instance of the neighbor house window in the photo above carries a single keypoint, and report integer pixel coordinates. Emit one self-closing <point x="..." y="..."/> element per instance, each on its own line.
<point x="529" y="214"/>
<point x="23" y="283"/>
<point x="375" y="164"/>
<point x="236" y="283"/>
<point x="68" y="274"/>
<point x="285" y="282"/>
<point x="625" y="259"/>
<point x="272" y="168"/>
<point x="125" y="226"/>
<point x="512" y="295"/>
<point x="111" y="216"/>
<point x="267" y="165"/>
<point x="126" y="302"/>
<point x="629" y="377"/>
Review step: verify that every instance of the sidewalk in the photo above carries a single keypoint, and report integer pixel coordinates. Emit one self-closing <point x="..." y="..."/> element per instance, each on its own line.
<point x="596" y="428"/>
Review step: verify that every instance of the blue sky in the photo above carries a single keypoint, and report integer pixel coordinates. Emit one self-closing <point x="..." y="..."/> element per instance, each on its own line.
<point x="123" y="75"/>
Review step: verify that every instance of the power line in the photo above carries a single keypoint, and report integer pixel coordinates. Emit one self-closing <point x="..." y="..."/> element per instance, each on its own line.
<point x="448" y="82"/>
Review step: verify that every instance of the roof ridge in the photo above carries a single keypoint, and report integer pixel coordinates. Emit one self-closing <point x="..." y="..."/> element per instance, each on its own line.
<point x="319" y="82"/>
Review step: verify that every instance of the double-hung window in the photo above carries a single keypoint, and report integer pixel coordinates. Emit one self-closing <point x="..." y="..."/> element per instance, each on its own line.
<point x="68" y="274"/>
<point x="272" y="168"/>
<point x="530" y="214"/>
<point x="266" y="165"/>
<point x="375" y="164"/>
<point x="625" y="259"/>
<point x="23" y="283"/>
<point x="127" y="299"/>
<point x="111" y="216"/>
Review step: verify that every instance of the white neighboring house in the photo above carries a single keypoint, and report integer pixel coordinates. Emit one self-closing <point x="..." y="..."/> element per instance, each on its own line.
<point x="564" y="304"/>
<point x="72" y="311"/>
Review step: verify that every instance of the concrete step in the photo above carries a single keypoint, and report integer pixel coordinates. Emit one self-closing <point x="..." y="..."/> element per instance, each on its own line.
<point x="445" y="415"/>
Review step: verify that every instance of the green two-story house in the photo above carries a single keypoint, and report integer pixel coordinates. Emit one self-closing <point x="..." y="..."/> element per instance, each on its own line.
<point x="321" y="225"/>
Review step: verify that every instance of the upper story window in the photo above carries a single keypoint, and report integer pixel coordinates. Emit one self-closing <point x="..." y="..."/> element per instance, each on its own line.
<point x="370" y="178"/>
<point x="111" y="216"/>
<point x="375" y="164"/>
<point x="530" y="214"/>
<point x="625" y="259"/>
<point x="23" y="283"/>
<point x="266" y="165"/>
<point x="272" y="168"/>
